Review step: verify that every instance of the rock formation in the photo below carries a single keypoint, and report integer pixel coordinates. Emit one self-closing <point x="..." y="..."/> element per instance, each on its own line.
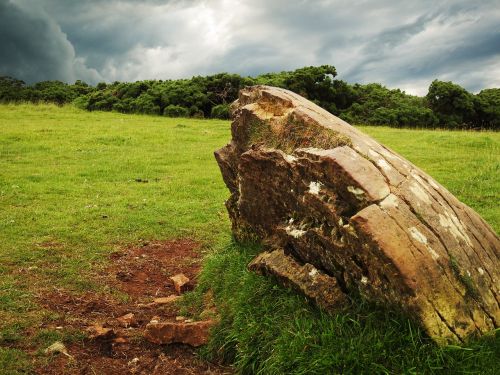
<point x="341" y="214"/>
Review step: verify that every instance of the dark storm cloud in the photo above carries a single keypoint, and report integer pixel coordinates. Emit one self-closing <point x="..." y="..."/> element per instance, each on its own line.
<point x="100" y="29"/>
<point x="33" y="47"/>
<point x="400" y="44"/>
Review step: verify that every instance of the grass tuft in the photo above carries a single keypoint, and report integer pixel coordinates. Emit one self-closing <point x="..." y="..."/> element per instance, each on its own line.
<point x="14" y="362"/>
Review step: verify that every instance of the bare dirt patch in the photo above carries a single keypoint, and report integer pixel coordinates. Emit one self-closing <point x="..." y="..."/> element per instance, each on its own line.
<point x="144" y="272"/>
<point x="137" y="276"/>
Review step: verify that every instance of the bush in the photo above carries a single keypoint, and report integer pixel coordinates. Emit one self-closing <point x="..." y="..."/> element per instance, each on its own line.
<point x="221" y="111"/>
<point x="81" y="102"/>
<point x="452" y="104"/>
<point x="487" y="106"/>
<point x="176" y="111"/>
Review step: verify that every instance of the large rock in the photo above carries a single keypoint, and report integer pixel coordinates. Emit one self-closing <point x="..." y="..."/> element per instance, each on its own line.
<point x="322" y="195"/>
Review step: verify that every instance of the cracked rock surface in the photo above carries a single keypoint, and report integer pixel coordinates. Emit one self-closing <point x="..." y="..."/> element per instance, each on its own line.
<point x="342" y="215"/>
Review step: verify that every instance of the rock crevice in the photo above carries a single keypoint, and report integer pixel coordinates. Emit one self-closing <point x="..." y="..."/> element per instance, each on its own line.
<point x="341" y="214"/>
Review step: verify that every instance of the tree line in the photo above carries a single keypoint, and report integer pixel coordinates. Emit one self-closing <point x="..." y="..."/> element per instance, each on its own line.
<point x="446" y="105"/>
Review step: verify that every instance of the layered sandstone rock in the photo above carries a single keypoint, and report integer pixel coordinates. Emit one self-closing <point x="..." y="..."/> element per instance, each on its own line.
<point x="341" y="214"/>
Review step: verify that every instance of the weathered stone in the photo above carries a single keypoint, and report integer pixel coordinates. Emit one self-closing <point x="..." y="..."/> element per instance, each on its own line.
<point x="56" y="348"/>
<point x="127" y="320"/>
<point x="194" y="333"/>
<point x="367" y="220"/>
<point x="166" y="300"/>
<point x="120" y="340"/>
<point x="181" y="283"/>
<point x="98" y="332"/>
<point x="315" y="284"/>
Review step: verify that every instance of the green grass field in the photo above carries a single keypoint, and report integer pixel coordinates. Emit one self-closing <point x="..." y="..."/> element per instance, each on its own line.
<point x="74" y="186"/>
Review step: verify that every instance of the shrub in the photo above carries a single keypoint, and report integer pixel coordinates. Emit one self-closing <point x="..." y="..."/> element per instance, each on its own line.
<point x="81" y="102"/>
<point x="176" y="111"/>
<point x="221" y="111"/>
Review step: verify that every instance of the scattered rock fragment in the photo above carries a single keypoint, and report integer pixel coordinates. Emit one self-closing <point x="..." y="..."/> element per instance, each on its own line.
<point x="194" y="334"/>
<point x="166" y="300"/>
<point x="98" y="332"/>
<point x="155" y="319"/>
<point x="181" y="283"/>
<point x="133" y="362"/>
<point x="120" y="340"/>
<point x="126" y="351"/>
<point x="127" y="320"/>
<point x="344" y="207"/>
<point x="56" y="348"/>
<point x="315" y="284"/>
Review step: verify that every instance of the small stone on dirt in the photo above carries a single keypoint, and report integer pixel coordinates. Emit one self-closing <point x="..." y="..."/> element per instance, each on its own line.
<point x="124" y="276"/>
<point x="166" y="300"/>
<point x="127" y="320"/>
<point x="194" y="334"/>
<point x="180" y="283"/>
<point x="57" y="347"/>
<point x="112" y="348"/>
<point x="98" y="332"/>
<point x="133" y="362"/>
<point x="155" y="319"/>
<point x="120" y="340"/>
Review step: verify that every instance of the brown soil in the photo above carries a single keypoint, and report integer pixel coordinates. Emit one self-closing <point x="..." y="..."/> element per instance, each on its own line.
<point x="135" y="276"/>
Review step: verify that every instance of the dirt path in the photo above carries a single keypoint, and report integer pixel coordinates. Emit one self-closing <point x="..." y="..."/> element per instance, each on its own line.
<point x="139" y="274"/>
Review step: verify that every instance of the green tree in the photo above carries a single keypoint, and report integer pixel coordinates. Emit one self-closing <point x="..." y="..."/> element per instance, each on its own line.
<point x="452" y="104"/>
<point x="220" y="111"/>
<point x="375" y="104"/>
<point x="175" y="111"/>
<point x="12" y="89"/>
<point x="81" y="88"/>
<point x="101" y="101"/>
<point x="53" y="91"/>
<point x="487" y="108"/>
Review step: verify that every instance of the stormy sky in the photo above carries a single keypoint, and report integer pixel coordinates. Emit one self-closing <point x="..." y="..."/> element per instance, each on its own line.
<point x="401" y="44"/>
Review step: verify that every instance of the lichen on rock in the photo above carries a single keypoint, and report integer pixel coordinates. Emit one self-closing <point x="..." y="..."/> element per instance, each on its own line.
<point x="327" y="200"/>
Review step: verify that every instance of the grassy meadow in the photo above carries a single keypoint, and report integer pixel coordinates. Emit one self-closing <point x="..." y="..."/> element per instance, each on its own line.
<point x="76" y="185"/>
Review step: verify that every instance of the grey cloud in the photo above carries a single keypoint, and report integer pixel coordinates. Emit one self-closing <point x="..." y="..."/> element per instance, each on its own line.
<point x="399" y="44"/>
<point x="391" y="56"/>
<point x="104" y="30"/>
<point x="34" y="48"/>
<point x="386" y="42"/>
